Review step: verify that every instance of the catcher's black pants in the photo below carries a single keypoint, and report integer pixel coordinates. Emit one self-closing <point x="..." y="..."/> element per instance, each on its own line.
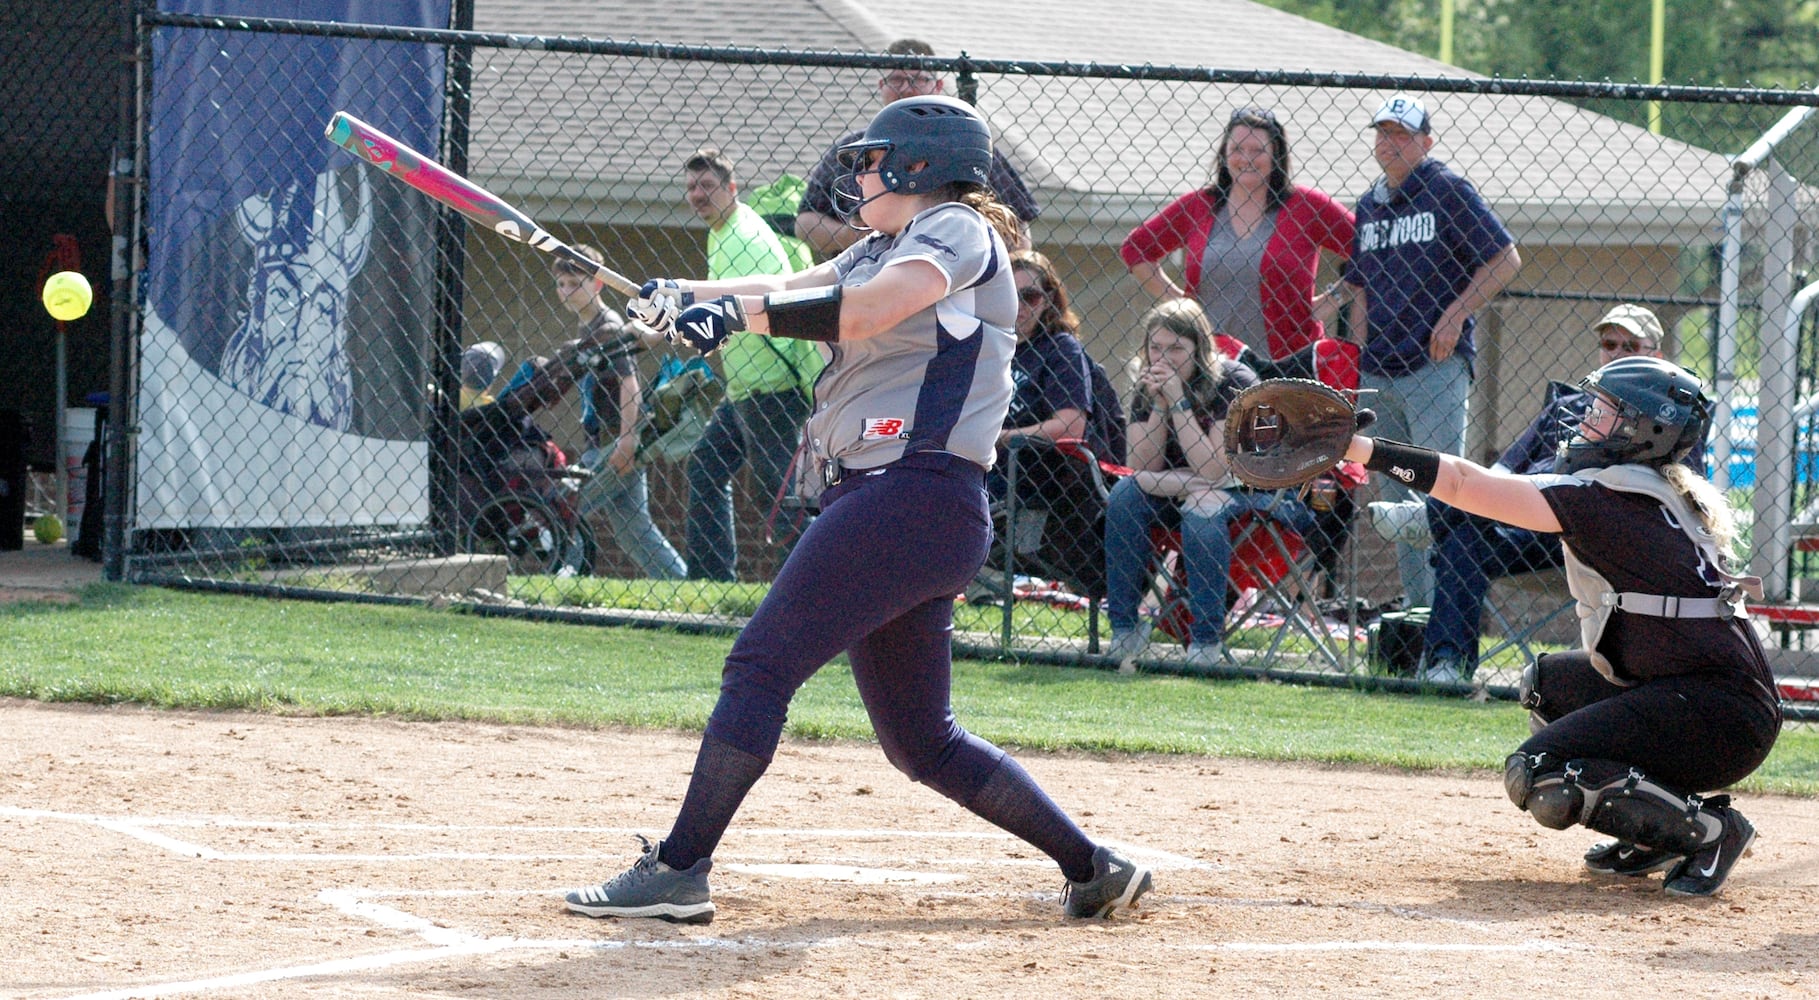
<point x="1693" y="733"/>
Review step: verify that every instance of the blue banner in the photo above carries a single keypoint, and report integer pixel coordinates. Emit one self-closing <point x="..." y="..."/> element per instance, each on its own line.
<point x="289" y="289"/>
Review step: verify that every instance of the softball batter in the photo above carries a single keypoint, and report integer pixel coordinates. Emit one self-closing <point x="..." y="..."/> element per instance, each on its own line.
<point x="917" y="321"/>
<point x="1671" y="695"/>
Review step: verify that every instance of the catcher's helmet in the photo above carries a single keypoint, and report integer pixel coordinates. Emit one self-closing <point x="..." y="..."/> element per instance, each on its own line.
<point x="948" y="135"/>
<point x="1661" y="415"/>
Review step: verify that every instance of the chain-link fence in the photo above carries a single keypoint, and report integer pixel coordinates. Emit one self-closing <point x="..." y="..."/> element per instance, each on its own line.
<point x="345" y="387"/>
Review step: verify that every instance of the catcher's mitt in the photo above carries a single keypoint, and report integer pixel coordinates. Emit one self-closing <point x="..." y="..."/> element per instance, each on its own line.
<point x="1285" y="431"/>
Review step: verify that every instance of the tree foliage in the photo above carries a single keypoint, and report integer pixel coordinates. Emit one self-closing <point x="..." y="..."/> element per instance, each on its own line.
<point x="1713" y="43"/>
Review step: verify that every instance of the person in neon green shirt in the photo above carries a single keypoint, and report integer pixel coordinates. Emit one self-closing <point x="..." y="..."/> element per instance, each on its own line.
<point x="769" y="382"/>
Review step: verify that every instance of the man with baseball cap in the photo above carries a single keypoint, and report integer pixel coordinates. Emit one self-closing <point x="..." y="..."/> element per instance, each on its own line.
<point x="1428" y="253"/>
<point x="1470" y="551"/>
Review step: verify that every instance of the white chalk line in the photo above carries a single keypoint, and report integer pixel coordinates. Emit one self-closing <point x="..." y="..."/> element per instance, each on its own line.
<point x="449" y="943"/>
<point x="445" y="943"/>
<point x="1415" y="947"/>
<point x="145" y="829"/>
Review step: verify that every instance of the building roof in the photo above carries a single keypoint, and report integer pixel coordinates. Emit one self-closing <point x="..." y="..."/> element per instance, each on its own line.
<point x="1101" y="153"/>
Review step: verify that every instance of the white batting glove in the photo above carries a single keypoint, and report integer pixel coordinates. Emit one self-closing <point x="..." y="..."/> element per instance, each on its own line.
<point x="658" y="303"/>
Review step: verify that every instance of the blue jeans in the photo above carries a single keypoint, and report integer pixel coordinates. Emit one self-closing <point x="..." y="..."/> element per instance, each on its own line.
<point x="763" y="430"/>
<point x="1470" y="552"/>
<point x="626" y="502"/>
<point x="1425" y="408"/>
<point x="1206" y="547"/>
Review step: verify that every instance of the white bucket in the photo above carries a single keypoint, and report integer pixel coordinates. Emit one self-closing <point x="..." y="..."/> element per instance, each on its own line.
<point x="78" y="431"/>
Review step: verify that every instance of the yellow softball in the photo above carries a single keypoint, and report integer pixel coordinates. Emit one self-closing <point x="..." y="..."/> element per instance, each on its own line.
<point x="67" y="296"/>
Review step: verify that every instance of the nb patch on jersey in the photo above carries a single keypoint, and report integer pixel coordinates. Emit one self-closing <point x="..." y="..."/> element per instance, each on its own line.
<point x="883" y="429"/>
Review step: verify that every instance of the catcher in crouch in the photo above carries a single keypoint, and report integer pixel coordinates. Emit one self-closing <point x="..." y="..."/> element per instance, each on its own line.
<point x="1670" y="696"/>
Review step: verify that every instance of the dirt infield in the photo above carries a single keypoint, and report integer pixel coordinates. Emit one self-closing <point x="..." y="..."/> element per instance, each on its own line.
<point x="230" y="855"/>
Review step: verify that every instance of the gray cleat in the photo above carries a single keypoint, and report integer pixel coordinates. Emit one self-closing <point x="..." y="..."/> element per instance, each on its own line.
<point x="649" y="888"/>
<point x="1115" y="883"/>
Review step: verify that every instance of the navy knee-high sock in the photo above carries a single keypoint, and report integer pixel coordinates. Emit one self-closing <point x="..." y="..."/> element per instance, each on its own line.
<point x="723" y="774"/>
<point x="1011" y="800"/>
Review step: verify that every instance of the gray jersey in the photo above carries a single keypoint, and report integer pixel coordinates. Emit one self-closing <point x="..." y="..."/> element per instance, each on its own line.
<point x="941" y="379"/>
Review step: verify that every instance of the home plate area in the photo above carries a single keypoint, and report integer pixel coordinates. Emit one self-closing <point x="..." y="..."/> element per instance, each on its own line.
<point x="223" y="855"/>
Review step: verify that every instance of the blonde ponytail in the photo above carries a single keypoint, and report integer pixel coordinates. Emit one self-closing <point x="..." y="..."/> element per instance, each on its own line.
<point x="1713" y="509"/>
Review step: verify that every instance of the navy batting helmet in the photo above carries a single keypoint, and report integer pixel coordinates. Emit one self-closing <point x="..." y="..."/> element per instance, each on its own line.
<point x="947" y="135"/>
<point x="1661" y="415"/>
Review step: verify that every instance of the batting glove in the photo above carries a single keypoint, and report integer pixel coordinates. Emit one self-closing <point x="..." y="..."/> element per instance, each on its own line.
<point x="658" y="303"/>
<point x="704" y="326"/>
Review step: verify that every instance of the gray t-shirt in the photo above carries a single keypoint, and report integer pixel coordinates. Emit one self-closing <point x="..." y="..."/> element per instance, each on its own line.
<point x="941" y="379"/>
<point x="1230" y="281"/>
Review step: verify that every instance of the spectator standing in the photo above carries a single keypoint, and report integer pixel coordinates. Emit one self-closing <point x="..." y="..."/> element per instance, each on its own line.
<point x="1428" y="253"/>
<point x="821" y="221"/>
<point x="1185" y="385"/>
<point x="611" y="415"/>
<point x="1250" y="243"/>
<point x="1469" y="551"/>
<point x="768" y="382"/>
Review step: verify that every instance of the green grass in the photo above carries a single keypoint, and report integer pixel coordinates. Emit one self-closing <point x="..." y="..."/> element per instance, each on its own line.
<point x="177" y="649"/>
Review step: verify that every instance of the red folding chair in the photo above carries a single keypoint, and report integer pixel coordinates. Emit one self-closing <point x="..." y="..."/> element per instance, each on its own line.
<point x="1271" y="587"/>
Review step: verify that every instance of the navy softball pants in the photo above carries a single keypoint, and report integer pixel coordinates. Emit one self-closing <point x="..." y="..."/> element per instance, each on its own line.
<point x="875" y="575"/>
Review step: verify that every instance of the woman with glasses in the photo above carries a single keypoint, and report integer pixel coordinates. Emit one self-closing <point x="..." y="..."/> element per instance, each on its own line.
<point x="1670" y="696"/>
<point x="1251" y="243"/>
<point x="1051" y="399"/>
<point x="1051" y="385"/>
<point x="916" y="322"/>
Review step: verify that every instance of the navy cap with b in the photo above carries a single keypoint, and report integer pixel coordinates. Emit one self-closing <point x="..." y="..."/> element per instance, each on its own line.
<point x="1406" y="111"/>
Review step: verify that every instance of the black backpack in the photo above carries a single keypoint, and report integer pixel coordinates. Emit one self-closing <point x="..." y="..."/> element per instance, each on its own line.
<point x="1105" y="422"/>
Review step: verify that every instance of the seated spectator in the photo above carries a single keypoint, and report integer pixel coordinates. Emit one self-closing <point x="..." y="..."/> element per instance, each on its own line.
<point x="1470" y="551"/>
<point x="1250" y="244"/>
<point x="480" y="366"/>
<point x="1051" y="399"/>
<point x="1185" y="385"/>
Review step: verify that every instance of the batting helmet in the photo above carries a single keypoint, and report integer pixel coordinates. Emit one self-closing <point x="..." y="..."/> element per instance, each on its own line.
<point x="1661" y="415"/>
<point x="947" y="135"/>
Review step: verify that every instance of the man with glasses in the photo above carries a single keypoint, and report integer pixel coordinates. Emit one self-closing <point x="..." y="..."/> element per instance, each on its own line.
<point x="821" y="223"/>
<point x="1471" y="551"/>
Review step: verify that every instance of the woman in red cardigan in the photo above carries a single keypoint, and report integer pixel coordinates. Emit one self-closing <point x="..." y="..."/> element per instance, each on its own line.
<point x="1252" y="243"/>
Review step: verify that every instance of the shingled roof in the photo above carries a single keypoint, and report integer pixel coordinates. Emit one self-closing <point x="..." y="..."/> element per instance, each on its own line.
<point x="1101" y="153"/>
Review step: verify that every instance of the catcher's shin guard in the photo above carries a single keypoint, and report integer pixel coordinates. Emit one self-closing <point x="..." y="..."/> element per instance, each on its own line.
<point x="1629" y="806"/>
<point x="1544" y="786"/>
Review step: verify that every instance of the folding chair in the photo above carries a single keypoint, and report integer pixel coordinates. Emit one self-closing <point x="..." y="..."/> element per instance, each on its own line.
<point x="1271" y="585"/>
<point x="1511" y="634"/>
<point x="1060" y="537"/>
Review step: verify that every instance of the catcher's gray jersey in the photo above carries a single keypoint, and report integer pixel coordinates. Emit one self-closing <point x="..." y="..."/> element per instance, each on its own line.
<point x="941" y="379"/>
